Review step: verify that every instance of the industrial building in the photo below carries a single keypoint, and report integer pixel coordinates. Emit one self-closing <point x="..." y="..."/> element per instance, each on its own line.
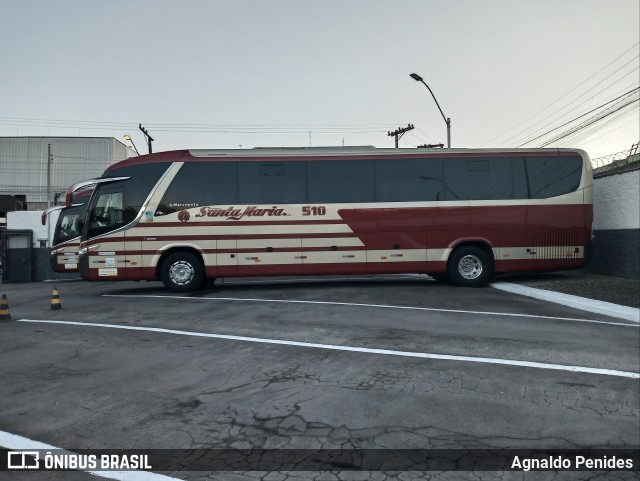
<point x="38" y="170"/>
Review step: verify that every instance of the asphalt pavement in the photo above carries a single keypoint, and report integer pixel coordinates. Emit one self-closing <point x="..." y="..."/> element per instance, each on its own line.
<point x="381" y="362"/>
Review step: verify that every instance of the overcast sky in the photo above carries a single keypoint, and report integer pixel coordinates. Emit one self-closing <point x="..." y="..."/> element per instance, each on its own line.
<point x="230" y="73"/>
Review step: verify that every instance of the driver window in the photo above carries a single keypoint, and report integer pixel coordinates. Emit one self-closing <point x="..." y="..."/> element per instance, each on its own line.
<point x="107" y="213"/>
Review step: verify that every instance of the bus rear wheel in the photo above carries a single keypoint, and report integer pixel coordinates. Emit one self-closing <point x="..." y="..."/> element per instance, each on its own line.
<point x="469" y="266"/>
<point x="182" y="272"/>
<point x="440" y="277"/>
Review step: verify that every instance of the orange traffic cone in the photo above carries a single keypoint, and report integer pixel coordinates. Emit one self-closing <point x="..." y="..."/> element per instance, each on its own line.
<point x="5" y="314"/>
<point x="55" y="299"/>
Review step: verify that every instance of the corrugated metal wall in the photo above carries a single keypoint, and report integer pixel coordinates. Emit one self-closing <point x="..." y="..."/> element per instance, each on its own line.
<point x="23" y="163"/>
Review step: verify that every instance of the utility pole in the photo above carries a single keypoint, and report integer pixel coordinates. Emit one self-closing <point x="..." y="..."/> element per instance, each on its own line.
<point x="400" y="132"/>
<point x="49" y="162"/>
<point x="148" y="138"/>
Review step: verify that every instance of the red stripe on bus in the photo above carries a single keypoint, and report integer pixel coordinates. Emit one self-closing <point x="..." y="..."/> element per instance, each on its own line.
<point x="260" y="250"/>
<point x="160" y="238"/>
<point x="234" y="223"/>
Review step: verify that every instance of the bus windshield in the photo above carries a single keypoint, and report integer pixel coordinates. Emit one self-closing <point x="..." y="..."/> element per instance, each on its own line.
<point x="69" y="225"/>
<point x="116" y="204"/>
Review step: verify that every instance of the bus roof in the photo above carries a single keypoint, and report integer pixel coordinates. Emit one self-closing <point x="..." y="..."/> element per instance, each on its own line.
<point x="311" y="153"/>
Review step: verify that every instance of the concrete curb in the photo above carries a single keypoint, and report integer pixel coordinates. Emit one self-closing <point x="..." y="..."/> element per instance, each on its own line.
<point x="576" y="302"/>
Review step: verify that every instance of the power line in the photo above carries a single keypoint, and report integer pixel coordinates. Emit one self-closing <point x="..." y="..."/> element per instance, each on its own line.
<point x="573" y="101"/>
<point x="565" y="94"/>
<point x="580" y="116"/>
<point x="589" y="122"/>
<point x="87" y="124"/>
<point x="601" y="128"/>
<point x="583" y="126"/>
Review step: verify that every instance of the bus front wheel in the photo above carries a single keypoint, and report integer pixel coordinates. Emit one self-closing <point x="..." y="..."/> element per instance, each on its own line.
<point x="469" y="266"/>
<point x="182" y="272"/>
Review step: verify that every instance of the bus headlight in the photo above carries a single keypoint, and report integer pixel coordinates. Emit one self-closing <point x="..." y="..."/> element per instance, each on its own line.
<point x="88" y="249"/>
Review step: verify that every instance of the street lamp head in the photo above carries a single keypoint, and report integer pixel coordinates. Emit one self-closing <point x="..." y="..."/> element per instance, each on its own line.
<point x="128" y="138"/>
<point x="416" y="77"/>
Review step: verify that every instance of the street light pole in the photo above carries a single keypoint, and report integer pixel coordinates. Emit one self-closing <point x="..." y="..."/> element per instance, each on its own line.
<point x="128" y="137"/>
<point x="447" y="120"/>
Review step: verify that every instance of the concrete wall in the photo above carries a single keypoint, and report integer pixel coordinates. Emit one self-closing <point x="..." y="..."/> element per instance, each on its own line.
<point x="24" y="164"/>
<point x="616" y="206"/>
<point x="32" y="220"/>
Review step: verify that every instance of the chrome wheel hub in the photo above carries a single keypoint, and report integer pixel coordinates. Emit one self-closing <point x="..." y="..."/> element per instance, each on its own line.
<point x="470" y="267"/>
<point x="181" y="273"/>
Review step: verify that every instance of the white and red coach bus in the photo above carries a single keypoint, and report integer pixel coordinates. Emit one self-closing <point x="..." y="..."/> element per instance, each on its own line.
<point x="191" y="215"/>
<point x="66" y="237"/>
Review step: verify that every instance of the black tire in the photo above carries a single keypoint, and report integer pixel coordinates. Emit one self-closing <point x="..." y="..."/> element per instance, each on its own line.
<point x="440" y="277"/>
<point x="182" y="272"/>
<point x="469" y="266"/>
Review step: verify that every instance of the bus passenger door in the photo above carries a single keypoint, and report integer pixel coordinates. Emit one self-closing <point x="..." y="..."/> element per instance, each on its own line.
<point x="227" y="258"/>
<point x="107" y="258"/>
<point x="108" y="261"/>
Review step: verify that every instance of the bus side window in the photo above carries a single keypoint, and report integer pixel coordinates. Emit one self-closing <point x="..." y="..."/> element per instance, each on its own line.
<point x="406" y="180"/>
<point x="272" y="182"/>
<point x="498" y="178"/>
<point x="552" y="176"/>
<point x="200" y="184"/>
<point x="340" y="181"/>
<point x="507" y="179"/>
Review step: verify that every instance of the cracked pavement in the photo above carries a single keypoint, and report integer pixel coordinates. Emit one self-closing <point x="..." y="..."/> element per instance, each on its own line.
<point x="81" y="387"/>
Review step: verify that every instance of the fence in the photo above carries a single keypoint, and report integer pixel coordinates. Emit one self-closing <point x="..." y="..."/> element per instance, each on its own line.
<point x="618" y="162"/>
<point x="20" y="262"/>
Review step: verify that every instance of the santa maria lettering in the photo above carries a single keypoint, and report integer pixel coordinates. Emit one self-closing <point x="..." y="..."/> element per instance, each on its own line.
<point x="235" y="213"/>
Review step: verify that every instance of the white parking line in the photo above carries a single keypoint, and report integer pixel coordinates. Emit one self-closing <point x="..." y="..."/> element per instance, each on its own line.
<point x="569" y="300"/>
<point x="18" y="443"/>
<point x="424" y="355"/>
<point x="234" y="281"/>
<point x="382" y="306"/>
